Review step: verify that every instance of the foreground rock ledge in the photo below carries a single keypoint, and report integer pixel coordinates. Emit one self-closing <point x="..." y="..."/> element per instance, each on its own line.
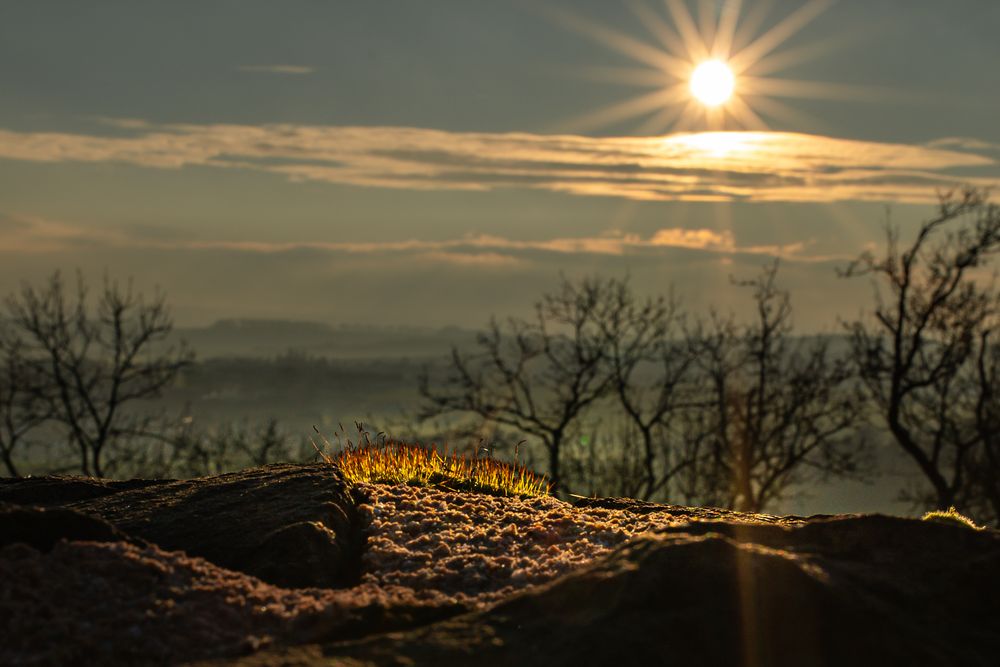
<point x="715" y="588"/>
<point x="288" y="525"/>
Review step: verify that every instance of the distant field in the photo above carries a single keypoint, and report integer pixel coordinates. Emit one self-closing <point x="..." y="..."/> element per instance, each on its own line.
<point x="269" y="338"/>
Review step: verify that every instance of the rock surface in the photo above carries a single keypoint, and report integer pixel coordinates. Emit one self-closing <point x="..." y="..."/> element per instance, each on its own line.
<point x="292" y="526"/>
<point x="422" y="577"/>
<point x="864" y="590"/>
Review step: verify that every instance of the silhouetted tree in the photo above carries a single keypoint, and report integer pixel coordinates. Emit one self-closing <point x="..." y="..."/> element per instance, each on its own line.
<point x="983" y="496"/>
<point x="606" y="459"/>
<point x="266" y="443"/>
<point x="926" y="357"/>
<point x="774" y="410"/>
<point x="649" y="362"/>
<point x="94" y="364"/>
<point x="23" y="405"/>
<point x="183" y="448"/>
<point x="534" y="376"/>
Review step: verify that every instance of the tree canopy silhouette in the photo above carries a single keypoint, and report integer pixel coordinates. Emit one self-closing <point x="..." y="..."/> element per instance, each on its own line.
<point x="91" y="362"/>
<point x="928" y="356"/>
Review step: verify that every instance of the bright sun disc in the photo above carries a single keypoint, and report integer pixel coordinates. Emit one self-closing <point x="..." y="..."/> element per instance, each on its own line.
<point x="712" y="83"/>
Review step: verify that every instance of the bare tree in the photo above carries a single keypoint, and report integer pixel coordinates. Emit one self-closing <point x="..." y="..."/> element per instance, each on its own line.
<point x="983" y="489"/>
<point x="96" y="365"/>
<point x="649" y="363"/>
<point x="534" y="376"/>
<point x="775" y="411"/>
<point x="925" y="358"/>
<point x="23" y="405"/>
<point x="263" y="444"/>
<point x="183" y="448"/>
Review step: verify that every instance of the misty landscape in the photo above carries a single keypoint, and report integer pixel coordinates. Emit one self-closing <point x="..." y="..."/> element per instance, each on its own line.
<point x="572" y="332"/>
<point x="251" y="375"/>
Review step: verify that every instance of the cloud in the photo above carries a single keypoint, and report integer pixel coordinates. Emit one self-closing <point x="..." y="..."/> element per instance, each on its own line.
<point x="278" y="69"/>
<point x="711" y="166"/>
<point x="34" y="234"/>
<point x="13" y="223"/>
<point x="964" y="143"/>
<point x="428" y="282"/>
<point x="483" y="259"/>
<point x="701" y="239"/>
<point x="40" y="235"/>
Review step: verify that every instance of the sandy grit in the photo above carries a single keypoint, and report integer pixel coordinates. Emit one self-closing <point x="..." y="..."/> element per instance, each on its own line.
<point x="476" y="548"/>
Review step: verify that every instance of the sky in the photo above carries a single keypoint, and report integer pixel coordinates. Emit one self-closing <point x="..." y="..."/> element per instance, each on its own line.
<point x="435" y="163"/>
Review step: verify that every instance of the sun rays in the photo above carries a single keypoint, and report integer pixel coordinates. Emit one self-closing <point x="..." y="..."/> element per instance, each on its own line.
<point x="711" y="69"/>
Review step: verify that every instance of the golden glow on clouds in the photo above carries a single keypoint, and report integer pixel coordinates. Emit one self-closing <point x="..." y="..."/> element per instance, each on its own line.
<point x="33" y="234"/>
<point x="706" y="166"/>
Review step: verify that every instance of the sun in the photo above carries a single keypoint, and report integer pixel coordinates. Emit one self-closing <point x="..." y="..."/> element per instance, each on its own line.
<point x="713" y="83"/>
<point x="709" y="69"/>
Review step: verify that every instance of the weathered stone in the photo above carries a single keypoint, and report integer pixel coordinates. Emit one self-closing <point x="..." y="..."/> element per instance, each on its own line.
<point x="708" y="587"/>
<point x="682" y="512"/>
<point x="62" y="489"/>
<point x="858" y="590"/>
<point x="113" y="603"/>
<point x="289" y="525"/>
<point x="41" y="528"/>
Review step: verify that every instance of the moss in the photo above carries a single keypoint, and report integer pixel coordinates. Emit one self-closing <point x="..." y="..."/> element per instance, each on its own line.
<point x="951" y="515"/>
<point x="404" y="463"/>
